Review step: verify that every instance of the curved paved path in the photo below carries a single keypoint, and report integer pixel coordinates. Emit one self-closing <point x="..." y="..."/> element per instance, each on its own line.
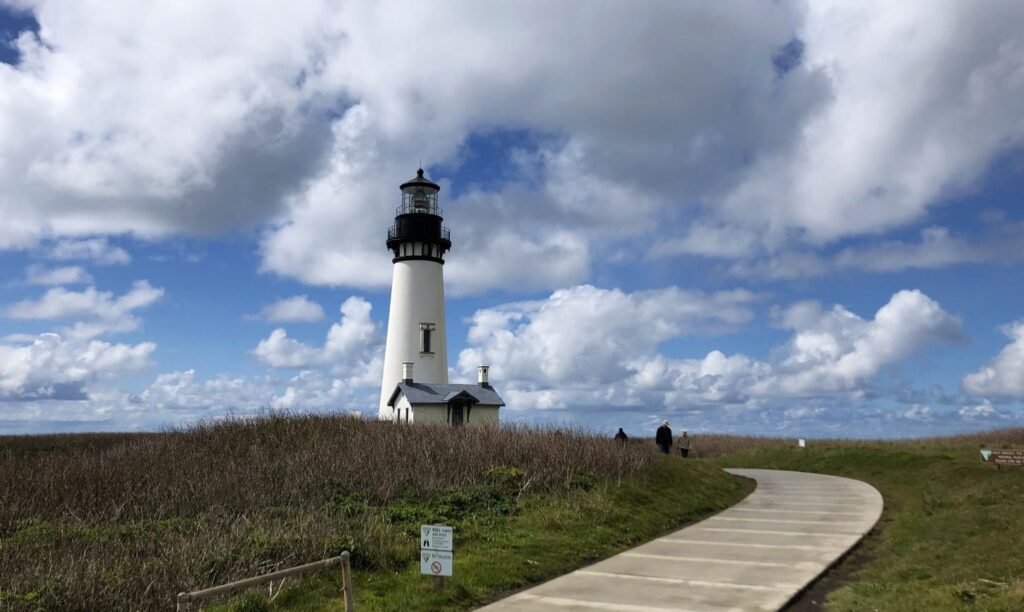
<point x="756" y="555"/>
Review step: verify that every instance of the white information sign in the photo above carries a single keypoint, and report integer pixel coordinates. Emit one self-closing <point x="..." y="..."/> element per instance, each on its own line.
<point x="435" y="563"/>
<point x="436" y="537"/>
<point x="801" y="443"/>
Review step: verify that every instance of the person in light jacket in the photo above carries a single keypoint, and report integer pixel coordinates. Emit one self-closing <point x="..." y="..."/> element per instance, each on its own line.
<point x="684" y="444"/>
<point x="663" y="438"/>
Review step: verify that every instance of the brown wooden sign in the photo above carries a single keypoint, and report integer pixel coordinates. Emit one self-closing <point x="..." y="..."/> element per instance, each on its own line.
<point x="1003" y="457"/>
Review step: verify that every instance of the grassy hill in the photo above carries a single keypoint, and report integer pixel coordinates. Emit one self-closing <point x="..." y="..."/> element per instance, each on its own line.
<point x="111" y="521"/>
<point x="952" y="533"/>
<point x="124" y="521"/>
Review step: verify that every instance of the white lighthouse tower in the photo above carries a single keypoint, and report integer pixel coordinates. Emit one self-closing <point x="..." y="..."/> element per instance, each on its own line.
<point x="416" y="329"/>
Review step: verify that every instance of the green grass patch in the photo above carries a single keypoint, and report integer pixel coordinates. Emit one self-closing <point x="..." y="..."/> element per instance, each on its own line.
<point x="502" y="544"/>
<point x="951" y="535"/>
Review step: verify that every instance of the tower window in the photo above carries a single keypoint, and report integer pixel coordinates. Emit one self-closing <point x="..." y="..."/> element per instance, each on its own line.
<point x="427" y="338"/>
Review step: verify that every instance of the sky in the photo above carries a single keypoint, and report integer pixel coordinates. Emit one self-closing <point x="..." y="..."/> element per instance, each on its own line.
<point x="781" y="218"/>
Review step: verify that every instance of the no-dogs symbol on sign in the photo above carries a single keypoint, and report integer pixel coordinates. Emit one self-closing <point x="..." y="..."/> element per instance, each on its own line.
<point x="435" y="563"/>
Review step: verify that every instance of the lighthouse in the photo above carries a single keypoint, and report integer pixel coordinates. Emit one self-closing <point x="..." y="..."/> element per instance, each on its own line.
<point x="416" y="331"/>
<point x="414" y="387"/>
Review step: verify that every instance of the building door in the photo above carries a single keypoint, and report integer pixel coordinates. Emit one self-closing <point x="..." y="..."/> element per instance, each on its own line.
<point x="456" y="411"/>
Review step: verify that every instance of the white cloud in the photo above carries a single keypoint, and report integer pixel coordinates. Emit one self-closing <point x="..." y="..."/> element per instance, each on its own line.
<point x="311" y="390"/>
<point x="174" y="397"/>
<point x="97" y="312"/>
<point x="706" y="240"/>
<point x="1003" y="376"/>
<point x="353" y="346"/>
<point x="589" y="335"/>
<point x="590" y="347"/>
<point x="837" y="350"/>
<point x="306" y="120"/>
<point x="152" y="121"/>
<point x="937" y="248"/>
<point x="96" y="250"/>
<point x="51" y="367"/>
<point x="981" y="411"/>
<point x="247" y="122"/>
<point x="280" y="351"/>
<point x="66" y="275"/>
<point x="175" y="391"/>
<point x="923" y="98"/>
<point x="297" y="308"/>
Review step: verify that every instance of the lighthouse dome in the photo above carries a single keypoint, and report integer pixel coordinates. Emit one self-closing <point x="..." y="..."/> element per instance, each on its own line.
<point x="419" y="182"/>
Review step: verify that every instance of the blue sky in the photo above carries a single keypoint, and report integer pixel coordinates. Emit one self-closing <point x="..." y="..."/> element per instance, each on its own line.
<point x="780" y="218"/>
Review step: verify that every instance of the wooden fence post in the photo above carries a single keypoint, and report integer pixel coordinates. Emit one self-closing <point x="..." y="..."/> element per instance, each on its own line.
<point x="346" y="580"/>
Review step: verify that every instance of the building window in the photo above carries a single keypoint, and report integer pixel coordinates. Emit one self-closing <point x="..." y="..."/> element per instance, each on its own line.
<point x="427" y="338"/>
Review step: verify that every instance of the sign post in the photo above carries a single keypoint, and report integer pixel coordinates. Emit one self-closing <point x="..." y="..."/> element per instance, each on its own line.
<point x="436" y="552"/>
<point x="1003" y="457"/>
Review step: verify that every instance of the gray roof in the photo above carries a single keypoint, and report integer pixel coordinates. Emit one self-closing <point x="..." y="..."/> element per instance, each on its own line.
<point x="429" y="393"/>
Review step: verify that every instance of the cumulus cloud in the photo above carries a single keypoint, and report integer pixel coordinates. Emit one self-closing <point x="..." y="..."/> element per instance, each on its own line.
<point x="97" y="312"/>
<point x="837" y="350"/>
<point x="297" y="308"/>
<point x="273" y="146"/>
<point x="937" y="247"/>
<point x="1003" y="376"/>
<point x="96" y="250"/>
<point x="353" y="345"/>
<point x="153" y="122"/>
<point x="307" y="121"/>
<point x="66" y="275"/>
<point x="310" y="389"/>
<point x="591" y="347"/>
<point x="921" y="101"/>
<point x="280" y="351"/>
<point x="181" y="391"/>
<point x="982" y="411"/>
<point x="590" y="335"/>
<point x="52" y="367"/>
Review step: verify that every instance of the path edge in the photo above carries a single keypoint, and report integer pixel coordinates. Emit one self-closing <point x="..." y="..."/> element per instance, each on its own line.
<point x="846" y="553"/>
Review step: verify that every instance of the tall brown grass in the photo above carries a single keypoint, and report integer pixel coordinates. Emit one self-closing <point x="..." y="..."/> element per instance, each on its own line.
<point x="126" y="521"/>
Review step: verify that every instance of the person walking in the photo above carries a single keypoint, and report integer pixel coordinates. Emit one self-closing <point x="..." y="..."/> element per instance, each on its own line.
<point x="621" y="437"/>
<point x="663" y="438"/>
<point x="684" y="444"/>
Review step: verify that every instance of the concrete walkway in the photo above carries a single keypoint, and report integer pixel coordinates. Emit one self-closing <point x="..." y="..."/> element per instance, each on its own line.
<point x="754" y="556"/>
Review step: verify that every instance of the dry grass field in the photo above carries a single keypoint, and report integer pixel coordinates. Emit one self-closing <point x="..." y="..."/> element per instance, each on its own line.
<point x="118" y="521"/>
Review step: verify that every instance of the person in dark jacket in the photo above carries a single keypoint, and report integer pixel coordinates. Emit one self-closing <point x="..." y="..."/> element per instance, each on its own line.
<point x="664" y="438"/>
<point x="621" y="437"/>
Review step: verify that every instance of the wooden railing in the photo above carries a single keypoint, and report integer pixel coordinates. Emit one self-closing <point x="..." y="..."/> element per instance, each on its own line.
<point x="185" y="600"/>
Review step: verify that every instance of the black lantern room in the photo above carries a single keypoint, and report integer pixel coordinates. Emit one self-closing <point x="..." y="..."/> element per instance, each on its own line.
<point x="417" y="232"/>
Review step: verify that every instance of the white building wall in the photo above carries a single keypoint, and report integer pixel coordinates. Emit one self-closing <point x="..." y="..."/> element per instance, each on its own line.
<point x="402" y="411"/>
<point x="430" y="413"/>
<point x="483" y="415"/>
<point x="417" y="296"/>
